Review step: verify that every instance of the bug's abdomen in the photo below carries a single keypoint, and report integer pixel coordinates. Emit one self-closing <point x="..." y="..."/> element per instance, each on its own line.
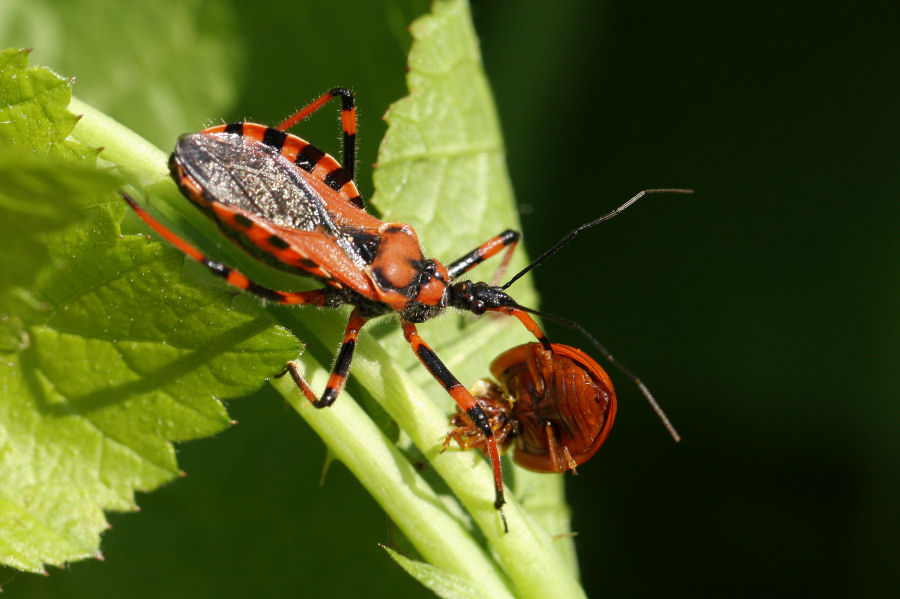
<point x="277" y="197"/>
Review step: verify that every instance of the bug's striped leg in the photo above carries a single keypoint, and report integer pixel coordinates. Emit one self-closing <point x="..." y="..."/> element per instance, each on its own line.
<point x="465" y="401"/>
<point x="491" y="247"/>
<point x="316" y="297"/>
<point x="341" y="366"/>
<point x="348" y="122"/>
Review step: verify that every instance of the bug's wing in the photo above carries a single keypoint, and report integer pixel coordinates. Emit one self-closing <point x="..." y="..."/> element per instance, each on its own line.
<point x="254" y="177"/>
<point x="322" y="258"/>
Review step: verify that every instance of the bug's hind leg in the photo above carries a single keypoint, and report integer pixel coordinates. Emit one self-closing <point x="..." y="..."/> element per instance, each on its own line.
<point x="316" y="297"/>
<point x="348" y="122"/>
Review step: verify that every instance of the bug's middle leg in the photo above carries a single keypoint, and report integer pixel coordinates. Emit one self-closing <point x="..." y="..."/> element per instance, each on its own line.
<point x="341" y="365"/>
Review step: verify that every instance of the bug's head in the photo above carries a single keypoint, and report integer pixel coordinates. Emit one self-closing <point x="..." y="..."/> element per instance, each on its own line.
<point x="478" y="297"/>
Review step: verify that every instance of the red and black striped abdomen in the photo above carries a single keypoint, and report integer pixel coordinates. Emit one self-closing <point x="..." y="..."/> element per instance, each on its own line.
<point x="305" y="157"/>
<point x="278" y="197"/>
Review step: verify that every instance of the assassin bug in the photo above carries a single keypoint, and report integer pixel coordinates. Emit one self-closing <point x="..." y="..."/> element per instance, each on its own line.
<point x="558" y="407"/>
<point x="292" y="206"/>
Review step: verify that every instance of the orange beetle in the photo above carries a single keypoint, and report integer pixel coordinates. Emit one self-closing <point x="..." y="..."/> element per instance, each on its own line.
<point x="558" y="406"/>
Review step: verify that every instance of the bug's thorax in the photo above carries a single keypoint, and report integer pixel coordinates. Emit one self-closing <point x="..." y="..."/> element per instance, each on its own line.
<point x="403" y="277"/>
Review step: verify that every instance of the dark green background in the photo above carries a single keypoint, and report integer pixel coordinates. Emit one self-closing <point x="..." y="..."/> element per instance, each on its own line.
<point x="763" y="311"/>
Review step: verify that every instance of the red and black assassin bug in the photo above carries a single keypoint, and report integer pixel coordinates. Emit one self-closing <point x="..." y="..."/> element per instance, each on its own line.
<point x="557" y="406"/>
<point x="292" y="206"/>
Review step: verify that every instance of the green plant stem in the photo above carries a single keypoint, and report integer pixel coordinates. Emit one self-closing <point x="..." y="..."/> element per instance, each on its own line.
<point x="137" y="159"/>
<point x="396" y="485"/>
<point x="527" y="554"/>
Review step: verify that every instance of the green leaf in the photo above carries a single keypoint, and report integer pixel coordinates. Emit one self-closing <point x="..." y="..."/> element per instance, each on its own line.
<point x="107" y="375"/>
<point x="33" y="111"/>
<point x="35" y="194"/>
<point x="443" y="584"/>
<point x="162" y="67"/>
<point x="39" y="171"/>
<point x="441" y="168"/>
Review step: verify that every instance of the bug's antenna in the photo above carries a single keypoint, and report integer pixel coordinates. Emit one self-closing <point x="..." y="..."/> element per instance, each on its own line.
<point x="612" y="360"/>
<point x="572" y="234"/>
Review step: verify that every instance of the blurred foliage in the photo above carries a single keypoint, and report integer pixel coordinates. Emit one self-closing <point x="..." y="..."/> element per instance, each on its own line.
<point x="762" y="311"/>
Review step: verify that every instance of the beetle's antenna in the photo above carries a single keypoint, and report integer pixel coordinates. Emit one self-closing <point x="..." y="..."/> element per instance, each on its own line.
<point x="612" y="360"/>
<point x="572" y="234"/>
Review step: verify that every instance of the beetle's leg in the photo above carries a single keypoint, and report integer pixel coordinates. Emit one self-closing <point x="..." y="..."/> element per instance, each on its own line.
<point x="559" y="454"/>
<point x="553" y="448"/>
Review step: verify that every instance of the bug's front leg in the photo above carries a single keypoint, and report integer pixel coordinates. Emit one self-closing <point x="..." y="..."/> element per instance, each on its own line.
<point x="464" y="400"/>
<point x="488" y="249"/>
